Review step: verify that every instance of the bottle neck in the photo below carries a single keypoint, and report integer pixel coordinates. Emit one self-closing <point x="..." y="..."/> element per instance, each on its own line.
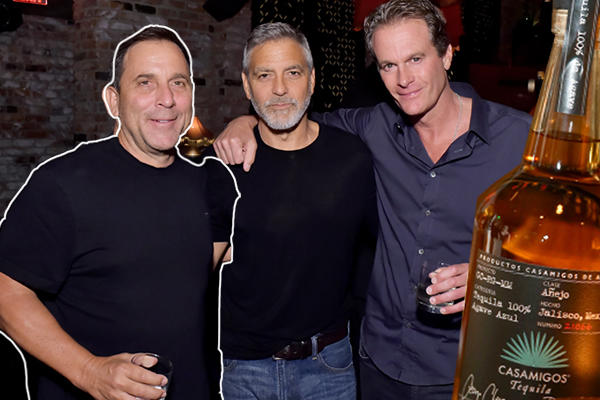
<point x="561" y="141"/>
<point x="551" y="81"/>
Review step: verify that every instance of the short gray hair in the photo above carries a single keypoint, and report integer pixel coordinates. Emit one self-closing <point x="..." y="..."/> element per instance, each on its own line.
<point x="275" y="31"/>
<point x="398" y="10"/>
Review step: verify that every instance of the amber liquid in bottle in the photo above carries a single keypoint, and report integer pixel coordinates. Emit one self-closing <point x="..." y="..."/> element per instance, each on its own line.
<point x="531" y="325"/>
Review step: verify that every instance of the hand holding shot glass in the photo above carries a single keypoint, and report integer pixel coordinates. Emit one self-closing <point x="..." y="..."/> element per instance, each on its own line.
<point x="441" y="287"/>
<point x="157" y="364"/>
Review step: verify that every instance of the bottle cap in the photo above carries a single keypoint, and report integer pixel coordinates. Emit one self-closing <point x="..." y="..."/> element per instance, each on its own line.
<point x="561" y="4"/>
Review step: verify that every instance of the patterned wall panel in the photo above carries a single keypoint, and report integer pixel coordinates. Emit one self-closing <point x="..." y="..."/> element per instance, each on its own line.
<point x="328" y="27"/>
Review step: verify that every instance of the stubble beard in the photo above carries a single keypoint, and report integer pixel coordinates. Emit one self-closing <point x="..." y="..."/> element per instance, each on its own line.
<point x="276" y="120"/>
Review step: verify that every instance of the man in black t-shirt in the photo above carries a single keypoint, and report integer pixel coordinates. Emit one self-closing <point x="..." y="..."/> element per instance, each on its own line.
<point x="98" y="258"/>
<point x="300" y="222"/>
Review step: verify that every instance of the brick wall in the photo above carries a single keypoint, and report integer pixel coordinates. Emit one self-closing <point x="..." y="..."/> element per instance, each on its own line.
<point x="52" y="73"/>
<point x="36" y="97"/>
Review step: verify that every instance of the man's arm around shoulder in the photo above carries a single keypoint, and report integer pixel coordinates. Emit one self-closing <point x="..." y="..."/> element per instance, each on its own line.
<point x="237" y="145"/>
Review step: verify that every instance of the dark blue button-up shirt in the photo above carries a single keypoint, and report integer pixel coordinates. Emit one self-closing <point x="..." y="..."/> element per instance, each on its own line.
<point x="426" y="212"/>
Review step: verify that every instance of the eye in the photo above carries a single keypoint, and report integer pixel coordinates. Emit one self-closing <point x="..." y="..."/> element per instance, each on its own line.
<point x="262" y="76"/>
<point x="144" y="82"/>
<point x="295" y="73"/>
<point x="387" y="67"/>
<point x="180" y="83"/>
<point x="416" y="59"/>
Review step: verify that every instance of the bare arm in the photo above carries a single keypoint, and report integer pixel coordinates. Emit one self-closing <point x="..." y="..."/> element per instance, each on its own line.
<point x="453" y="276"/>
<point x="30" y="324"/>
<point x="221" y="253"/>
<point x="236" y="144"/>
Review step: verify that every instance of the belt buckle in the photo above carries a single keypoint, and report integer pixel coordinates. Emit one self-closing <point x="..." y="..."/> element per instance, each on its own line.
<point x="301" y="351"/>
<point x="284" y="350"/>
<point x="292" y="351"/>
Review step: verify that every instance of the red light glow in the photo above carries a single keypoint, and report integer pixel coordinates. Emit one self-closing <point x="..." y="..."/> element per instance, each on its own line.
<point x="36" y="2"/>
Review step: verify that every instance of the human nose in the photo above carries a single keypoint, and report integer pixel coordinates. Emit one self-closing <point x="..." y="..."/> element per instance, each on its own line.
<point x="405" y="77"/>
<point x="165" y="97"/>
<point x="279" y="86"/>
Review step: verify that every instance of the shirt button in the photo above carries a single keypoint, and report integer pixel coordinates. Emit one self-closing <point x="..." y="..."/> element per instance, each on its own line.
<point x="421" y="252"/>
<point x="427" y="213"/>
<point x="432" y="174"/>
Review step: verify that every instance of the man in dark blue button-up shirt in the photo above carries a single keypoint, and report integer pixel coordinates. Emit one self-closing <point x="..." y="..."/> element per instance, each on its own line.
<point x="434" y="152"/>
<point x="426" y="212"/>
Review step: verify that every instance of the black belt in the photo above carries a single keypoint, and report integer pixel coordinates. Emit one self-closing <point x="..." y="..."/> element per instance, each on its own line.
<point x="303" y="348"/>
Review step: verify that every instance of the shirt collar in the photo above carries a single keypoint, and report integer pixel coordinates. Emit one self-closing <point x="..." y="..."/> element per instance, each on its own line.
<point x="479" y="112"/>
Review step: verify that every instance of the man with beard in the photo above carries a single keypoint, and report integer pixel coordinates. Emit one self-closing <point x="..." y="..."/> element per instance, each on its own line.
<point x="302" y="215"/>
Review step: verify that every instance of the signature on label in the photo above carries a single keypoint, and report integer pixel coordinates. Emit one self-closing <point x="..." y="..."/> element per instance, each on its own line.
<point x="470" y="392"/>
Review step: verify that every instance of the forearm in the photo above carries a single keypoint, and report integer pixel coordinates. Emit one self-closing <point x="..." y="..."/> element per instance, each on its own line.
<point x="29" y="323"/>
<point x="219" y="254"/>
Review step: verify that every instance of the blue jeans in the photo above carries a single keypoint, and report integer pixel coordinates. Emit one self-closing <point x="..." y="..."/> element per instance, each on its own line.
<point x="328" y="375"/>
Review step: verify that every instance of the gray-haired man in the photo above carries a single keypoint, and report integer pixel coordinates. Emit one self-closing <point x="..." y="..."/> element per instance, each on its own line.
<point x="286" y="296"/>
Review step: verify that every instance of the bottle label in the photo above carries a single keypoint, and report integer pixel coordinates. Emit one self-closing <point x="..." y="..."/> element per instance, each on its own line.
<point x="533" y="332"/>
<point x="577" y="56"/>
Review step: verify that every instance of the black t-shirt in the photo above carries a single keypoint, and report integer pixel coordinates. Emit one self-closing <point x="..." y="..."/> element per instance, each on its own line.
<point x="120" y="253"/>
<point x="299" y="223"/>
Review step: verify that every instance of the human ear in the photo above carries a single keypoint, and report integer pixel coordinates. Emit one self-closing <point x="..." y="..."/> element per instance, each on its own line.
<point x="111" y="101"/>
<point x="246" y="85"/>
<point x="447" y="57"/>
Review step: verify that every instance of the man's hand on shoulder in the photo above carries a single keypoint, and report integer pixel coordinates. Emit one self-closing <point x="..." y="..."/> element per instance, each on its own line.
<point x="118" y="378"/>
<point x="236" y="144"/>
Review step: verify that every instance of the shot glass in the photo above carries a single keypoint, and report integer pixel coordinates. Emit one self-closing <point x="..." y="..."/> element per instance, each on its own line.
<point x="163" y="366"/>
<point x="423" y="303"/>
